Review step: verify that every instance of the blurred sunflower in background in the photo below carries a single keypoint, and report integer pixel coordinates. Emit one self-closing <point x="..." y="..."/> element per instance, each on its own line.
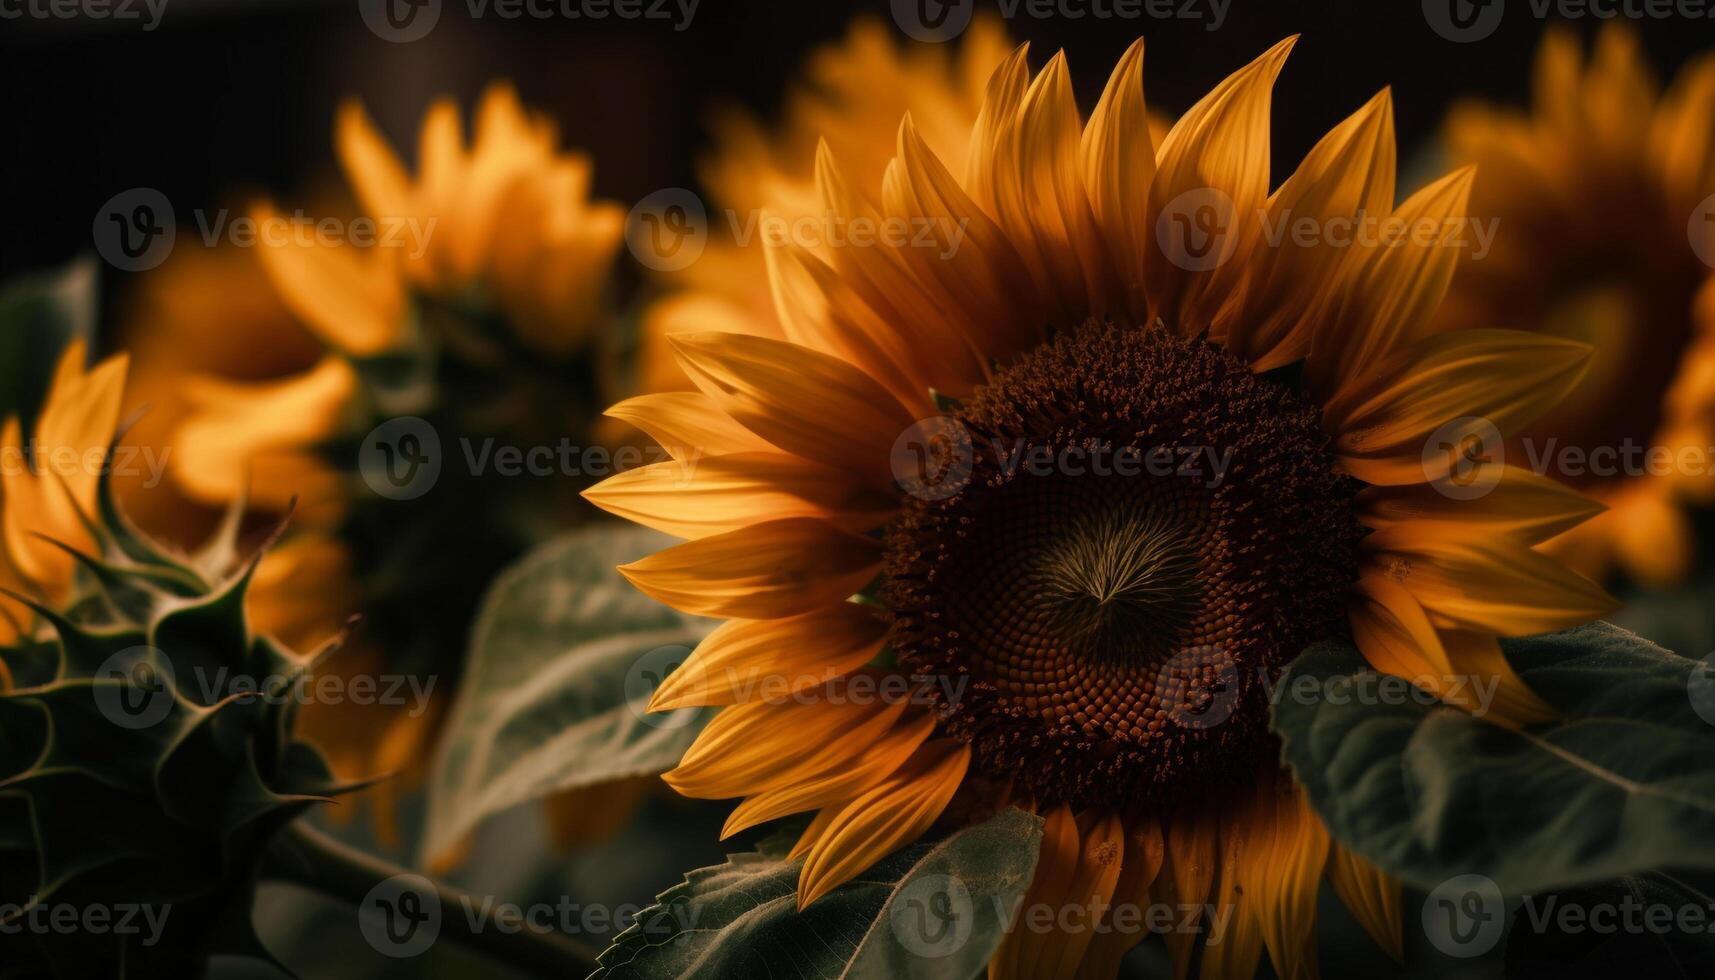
<point x="1600" y="195"/>
<point x="854" y="94"/>
<point x="48" y="486"/>
<point x="480" y="309"/>
<point x="1092" y="648"/>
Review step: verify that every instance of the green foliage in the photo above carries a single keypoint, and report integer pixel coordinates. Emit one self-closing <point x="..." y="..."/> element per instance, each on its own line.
<point x="146" y="757"/>
<point x="936" y="908"/>
<point x="1624" y="783"/>
<point x="563" y="659"/>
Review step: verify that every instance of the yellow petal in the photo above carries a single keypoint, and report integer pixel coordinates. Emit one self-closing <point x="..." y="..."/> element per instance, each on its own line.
<point x="1283" y="857"/>
<point x="1145" y="850"/>
<point x="1220" y="146"/>
<point x="1496" y="585"/>
<point x="804" y="402"/>
<point x="1372" y="897"/>
<point x="764" y="571"/>
<point x="351" y="298"/>
<point x="878" y="760"/>
<point x="1233" y="949"/>
<point x="1188" y="875"/>
<point x="687" y="424"/>
<point x="1118" y="161"/>
<point x="1348" y="177"/>
<point x="893" y="813"/>
<point x="371" y="166"/>
<point x="746" y="659"/>
<point x="1503" y="379"/>
<point x="757" y="746"/>
<point x="695" y="498"/>
<point x="1523" y="506"/>
<point x="1387" y="290"/>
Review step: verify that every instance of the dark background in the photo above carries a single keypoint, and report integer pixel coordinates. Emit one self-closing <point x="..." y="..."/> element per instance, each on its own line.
<point x="229" y="97"/>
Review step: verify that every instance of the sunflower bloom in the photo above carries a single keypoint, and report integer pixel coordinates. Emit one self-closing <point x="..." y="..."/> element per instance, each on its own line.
<point x="1591" y="193"/>
<point x="261" y="364"/>
<point x="1092" y="644"/>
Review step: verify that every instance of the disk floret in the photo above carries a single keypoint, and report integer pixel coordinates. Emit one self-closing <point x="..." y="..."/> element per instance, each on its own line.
<point x="1150" y="533"/>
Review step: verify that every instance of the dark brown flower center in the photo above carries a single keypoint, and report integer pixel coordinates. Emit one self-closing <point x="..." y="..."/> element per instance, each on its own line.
<point x="1150" y="533"/>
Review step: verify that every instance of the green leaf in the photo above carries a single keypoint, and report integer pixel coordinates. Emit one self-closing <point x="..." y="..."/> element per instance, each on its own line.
<point x="564" y="656"/>
<point x="937" y="908"/>
<point x="39" y="315"/>
<point x="1623" y="783"/>
<point x="1649" y="925"/>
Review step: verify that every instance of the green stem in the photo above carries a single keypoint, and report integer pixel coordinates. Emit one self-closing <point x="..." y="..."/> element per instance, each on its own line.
<point x="305" y="856"/>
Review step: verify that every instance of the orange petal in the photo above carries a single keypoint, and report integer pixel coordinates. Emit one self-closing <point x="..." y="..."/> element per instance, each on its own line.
<point x="893" y="813"/>
<point x="1523" y="506"/>
<point x="807" y="403"/>
<point x="764" y="571"/>
<point x="1372" y="897"/>
<point x="687" y="424"/>
<point x="751" y="659"/>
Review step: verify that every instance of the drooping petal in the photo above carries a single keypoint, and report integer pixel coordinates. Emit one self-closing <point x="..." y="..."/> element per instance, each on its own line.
<point x="1145" y="850"/>
<point x="895" y="812"/>
<point x="757" y="746"/>
<point x="880" y="759"/>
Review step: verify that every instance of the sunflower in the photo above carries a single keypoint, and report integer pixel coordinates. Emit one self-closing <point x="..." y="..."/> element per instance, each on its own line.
<point x="1095" y="646"/>
<point x="1591" y="193"/>
<point x="48" y="485"/>
<point x="471" y="293"/>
